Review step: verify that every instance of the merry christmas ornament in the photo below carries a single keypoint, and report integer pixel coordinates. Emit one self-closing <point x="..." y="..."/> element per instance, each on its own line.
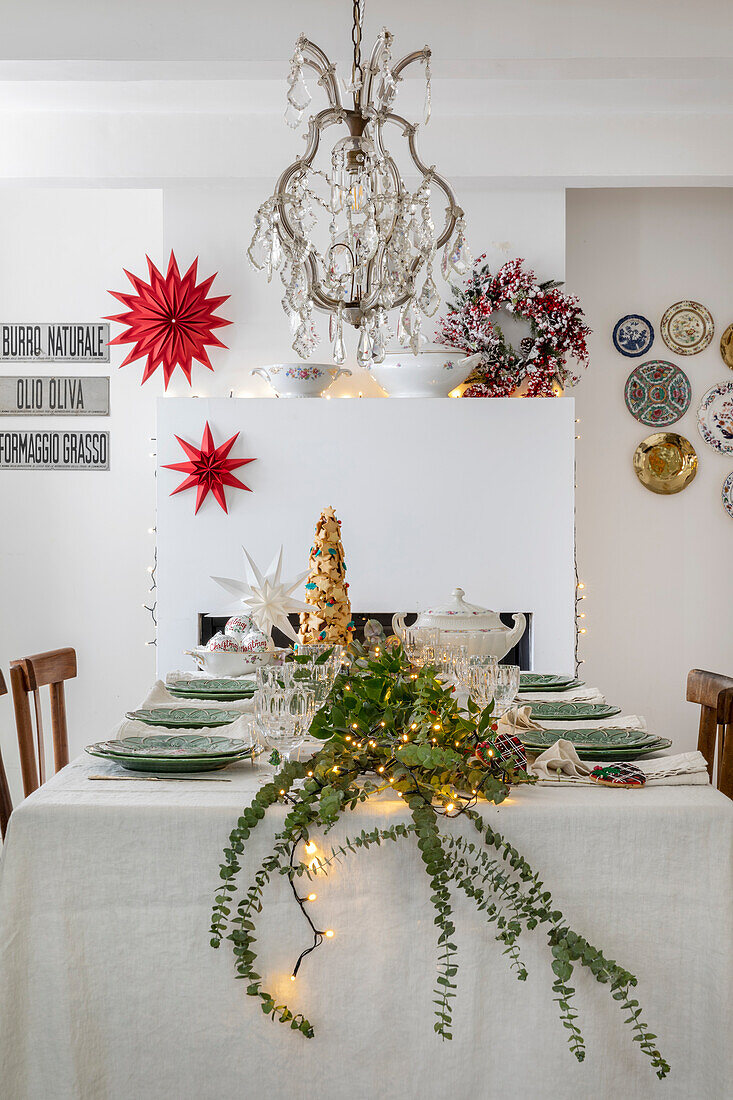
<point x="169" y="320"/>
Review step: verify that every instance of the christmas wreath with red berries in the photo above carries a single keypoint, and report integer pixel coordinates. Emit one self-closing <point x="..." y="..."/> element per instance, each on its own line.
<point x="557" y="332"/>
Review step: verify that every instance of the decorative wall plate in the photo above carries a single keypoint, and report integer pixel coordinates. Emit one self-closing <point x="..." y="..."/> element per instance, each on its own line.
<point x="715" y="418"/>
<point x="726" y="347"/>
<point x="665" y="462"/>
<point x="572" y="712"/>
<point x="184" y="717"/>
<point x="687" y="328"/>
<point x="633" y="335"/>
<point x="728" y="495"/>
<point x="657" y="393"/>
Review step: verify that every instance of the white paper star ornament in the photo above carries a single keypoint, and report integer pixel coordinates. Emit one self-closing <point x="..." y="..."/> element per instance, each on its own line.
<point x="268" y="599"/>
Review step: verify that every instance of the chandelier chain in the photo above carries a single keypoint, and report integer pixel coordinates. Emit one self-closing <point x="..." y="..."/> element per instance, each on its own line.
<point x="356" y="71"/>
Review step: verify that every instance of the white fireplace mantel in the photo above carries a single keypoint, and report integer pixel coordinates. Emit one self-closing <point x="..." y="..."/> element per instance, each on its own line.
<point x="431" y="493"/>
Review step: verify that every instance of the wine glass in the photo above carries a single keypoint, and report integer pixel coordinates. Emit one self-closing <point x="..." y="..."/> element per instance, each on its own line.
<point x="506" y="686"/>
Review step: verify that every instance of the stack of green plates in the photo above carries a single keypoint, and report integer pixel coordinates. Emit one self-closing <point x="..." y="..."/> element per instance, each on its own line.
<point x="182" y="752"/>
<point x="215" y="690"/>
<point x="546" y="681"/>
<point x="597" y="744"/>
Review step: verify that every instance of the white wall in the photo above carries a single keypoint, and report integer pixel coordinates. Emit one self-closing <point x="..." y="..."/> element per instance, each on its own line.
<point x="432" y="494"/>
<point x="657" y="569"/>
<point x="75" y="546"/>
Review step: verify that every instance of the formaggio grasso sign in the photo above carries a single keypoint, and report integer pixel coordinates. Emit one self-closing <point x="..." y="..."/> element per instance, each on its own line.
<point x="66" y="342"/>
<point x="54" y="450"/>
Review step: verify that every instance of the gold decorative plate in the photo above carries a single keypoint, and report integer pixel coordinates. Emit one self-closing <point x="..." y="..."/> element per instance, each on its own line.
<point x="665" y="462"/>
<point x="726" y="347"/>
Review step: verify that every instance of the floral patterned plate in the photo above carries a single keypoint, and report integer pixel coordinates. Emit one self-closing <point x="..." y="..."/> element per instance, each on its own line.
<point x="728" y="495"/>
<point x="633" y="335"/>
<point x="184" y="717"/>
<point x="687" y="328"/>
<point x="715" y="418"/>
<point x="572" y="712"/>
<point x="657" y="393"/>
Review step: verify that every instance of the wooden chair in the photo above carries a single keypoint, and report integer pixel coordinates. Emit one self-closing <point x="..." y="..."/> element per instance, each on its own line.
<point x="6" y="806"/>
<point x="27" y="676"/>
<point x="714" y="694"/>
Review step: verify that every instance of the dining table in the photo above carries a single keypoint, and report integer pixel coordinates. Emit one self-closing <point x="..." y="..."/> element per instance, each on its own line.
<point x="110" y="989"/>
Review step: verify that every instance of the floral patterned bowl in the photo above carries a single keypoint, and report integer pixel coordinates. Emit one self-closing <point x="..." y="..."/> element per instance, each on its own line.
<point x="434" y="372"/>
<point x="300" y="379"/>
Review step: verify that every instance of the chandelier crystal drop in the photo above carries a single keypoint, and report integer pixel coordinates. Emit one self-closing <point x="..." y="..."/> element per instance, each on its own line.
<point x="346" y="234"/>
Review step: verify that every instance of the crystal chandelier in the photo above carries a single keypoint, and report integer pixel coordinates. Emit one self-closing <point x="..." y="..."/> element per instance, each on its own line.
<point x="379" y="240"/>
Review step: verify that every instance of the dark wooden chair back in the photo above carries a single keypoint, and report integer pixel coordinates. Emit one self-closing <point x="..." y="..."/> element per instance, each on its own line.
<point x="6" y="806"/>
<point x="714" y="694"/>
<point x="27" y="676"/>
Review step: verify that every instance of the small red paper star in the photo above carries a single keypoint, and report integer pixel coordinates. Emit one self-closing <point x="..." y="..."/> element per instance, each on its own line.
<point x="209" y="468"/>
<point x="169" y="319"/>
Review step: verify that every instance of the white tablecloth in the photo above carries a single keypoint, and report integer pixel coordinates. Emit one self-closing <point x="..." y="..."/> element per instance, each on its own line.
<point x="109" y="989"/>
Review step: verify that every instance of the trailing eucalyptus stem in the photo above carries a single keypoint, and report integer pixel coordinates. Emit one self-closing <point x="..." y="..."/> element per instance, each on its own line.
<point x="389" y="726"/>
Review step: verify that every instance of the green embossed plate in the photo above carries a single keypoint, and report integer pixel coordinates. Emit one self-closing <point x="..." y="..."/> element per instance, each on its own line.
<point x="598" y="739"/>
<point x="572" y="712"/>
<point x="172" y="745"/>
<point x="569" y="686"/>
<point x="634" y="752"/>
<point x="184" y="717"/>
<point x="173" y="752"/>
<point x="170" y="765"/>
<point x="545" y="681"/>
<point x="205" y="688"/>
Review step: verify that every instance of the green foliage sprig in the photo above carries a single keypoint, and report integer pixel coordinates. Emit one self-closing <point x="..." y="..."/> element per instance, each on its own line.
<point x="388" y="725"/>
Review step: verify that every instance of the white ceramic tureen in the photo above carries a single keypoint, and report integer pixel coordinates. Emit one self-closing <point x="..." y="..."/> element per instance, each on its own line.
<point x="300" y="379"/>
<point x="485" y="632"/>
<point x="433" y="372"/>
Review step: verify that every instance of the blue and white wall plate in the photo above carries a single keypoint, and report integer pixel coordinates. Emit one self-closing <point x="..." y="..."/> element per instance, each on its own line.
<point x="633" y="335"/>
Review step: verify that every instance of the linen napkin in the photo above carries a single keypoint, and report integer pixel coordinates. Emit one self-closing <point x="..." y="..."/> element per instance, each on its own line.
<point x="560" y="763"/>
<point x="573" y="695"/>
<point x="159" y="696"/>
<point x="515" y="720"/>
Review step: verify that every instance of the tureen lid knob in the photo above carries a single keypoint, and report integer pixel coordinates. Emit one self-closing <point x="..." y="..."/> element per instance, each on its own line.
<point x="459" y="593"/>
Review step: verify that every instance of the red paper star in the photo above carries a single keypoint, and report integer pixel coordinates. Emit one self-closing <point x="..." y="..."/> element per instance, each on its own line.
<point x="209" y="468"/>
<point x="169" y="319"/>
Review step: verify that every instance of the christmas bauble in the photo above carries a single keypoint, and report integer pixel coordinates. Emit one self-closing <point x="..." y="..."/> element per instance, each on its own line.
<point x="254" y="642"/>
<point x="239" y="625"/>
<point x="221" y="642"/>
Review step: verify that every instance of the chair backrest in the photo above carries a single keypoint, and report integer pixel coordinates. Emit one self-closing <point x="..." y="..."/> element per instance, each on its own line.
<point x="6" y="806"/>
<point x="27" y="676"/>
<point x="714" y="694"/>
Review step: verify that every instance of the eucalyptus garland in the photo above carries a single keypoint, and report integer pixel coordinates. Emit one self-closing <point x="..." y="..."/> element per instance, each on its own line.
<point x="385" y="726"/>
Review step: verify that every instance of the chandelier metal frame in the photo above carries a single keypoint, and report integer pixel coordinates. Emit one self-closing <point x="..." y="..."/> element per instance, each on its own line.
<point x="372" y="267"/>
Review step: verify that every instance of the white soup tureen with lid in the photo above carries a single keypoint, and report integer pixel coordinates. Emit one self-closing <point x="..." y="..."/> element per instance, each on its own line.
<point x="484" y="630"/>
